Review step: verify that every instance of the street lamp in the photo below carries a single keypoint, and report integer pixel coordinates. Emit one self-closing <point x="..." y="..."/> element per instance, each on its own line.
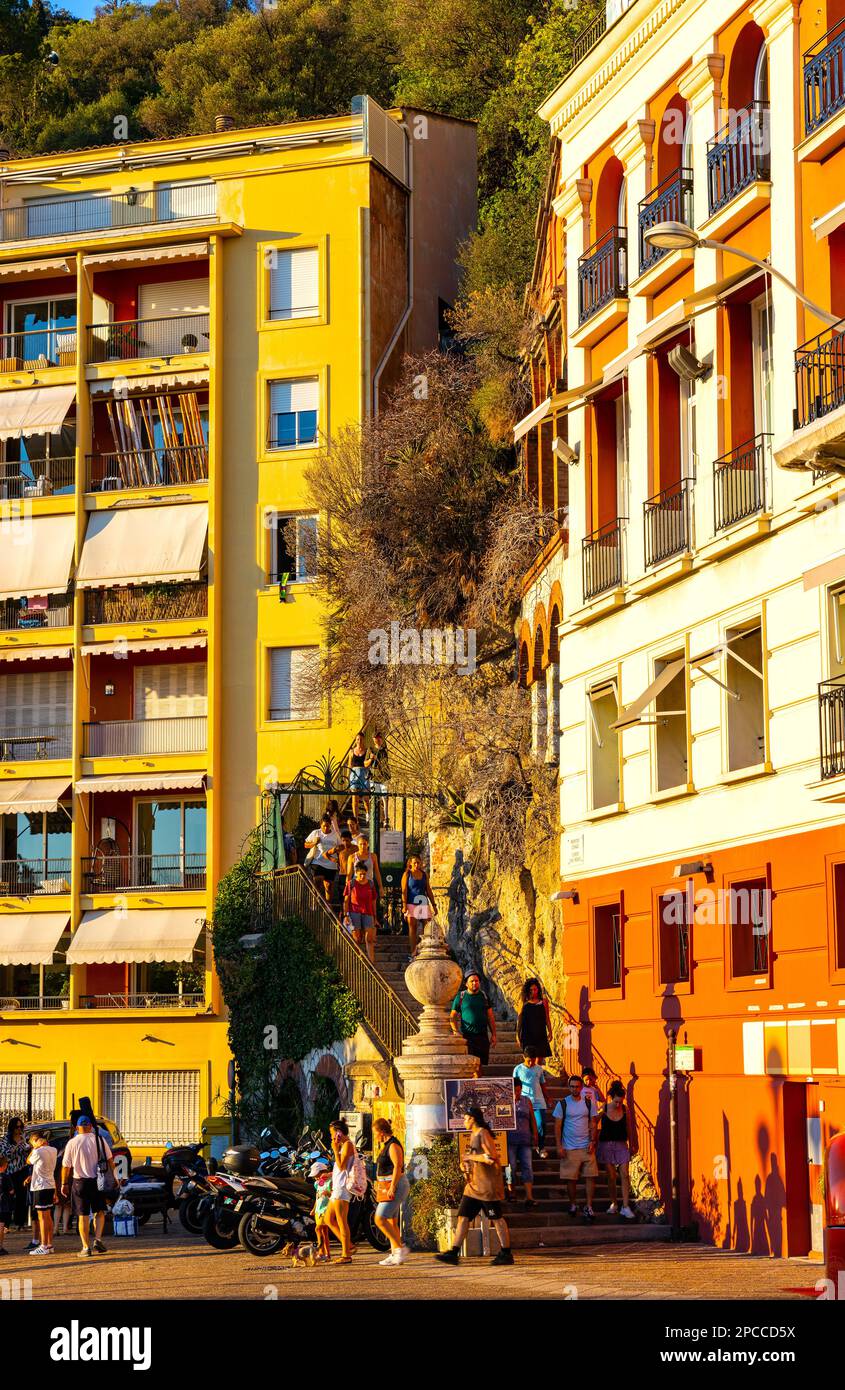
<point x="677" y="236"/>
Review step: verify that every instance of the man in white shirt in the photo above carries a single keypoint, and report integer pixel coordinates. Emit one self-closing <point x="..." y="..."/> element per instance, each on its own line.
<point x="80" y="1164"/>
<point x="323" y="845"/>
<point x="576" y="1125"/>
<point x="42" y="1186"/>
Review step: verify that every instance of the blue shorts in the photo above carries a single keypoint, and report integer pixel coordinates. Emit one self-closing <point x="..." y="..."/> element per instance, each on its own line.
<point x="359" y="779"/>
<point x="519" y="1155"/>
<point x="361" y="921"/>
<point x="389" y="1210"/>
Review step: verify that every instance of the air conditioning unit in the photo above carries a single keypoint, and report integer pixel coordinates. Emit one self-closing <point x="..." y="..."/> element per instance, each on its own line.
<point x="687" y="366"/>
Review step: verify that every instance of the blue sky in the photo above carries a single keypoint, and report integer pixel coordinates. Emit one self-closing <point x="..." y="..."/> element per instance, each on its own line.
<point x="83" y="8"/>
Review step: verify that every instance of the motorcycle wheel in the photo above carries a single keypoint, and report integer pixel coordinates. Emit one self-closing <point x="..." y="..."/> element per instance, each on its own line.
<point x="190" y="1217"/>
<point x="217" y="1238"/>
<point x="256" y="1241"/>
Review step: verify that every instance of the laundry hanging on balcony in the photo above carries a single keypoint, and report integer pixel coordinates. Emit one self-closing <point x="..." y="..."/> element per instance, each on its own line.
<point x="143" y="545"/>
<point x="36" y="553"/>
<point x="116" y="936"/>
<point x="39" y="410"/>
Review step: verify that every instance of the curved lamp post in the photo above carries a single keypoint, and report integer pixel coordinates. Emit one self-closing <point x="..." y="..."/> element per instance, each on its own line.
<point x="677" y="236"/>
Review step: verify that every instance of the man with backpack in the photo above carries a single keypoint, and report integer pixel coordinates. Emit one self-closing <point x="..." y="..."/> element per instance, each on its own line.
<point x="472" y="1018"/>
<point x="576" y="1126"/>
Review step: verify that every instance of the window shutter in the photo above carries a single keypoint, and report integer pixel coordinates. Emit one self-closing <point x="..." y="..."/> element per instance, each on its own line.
<point x="294" y="284"/>
<point x="292" y="672"/>
<point x="171" y="691"/>
<point x="173" y="297"/>
<point x="287" y="396"/>
<point x="41" y="699"/>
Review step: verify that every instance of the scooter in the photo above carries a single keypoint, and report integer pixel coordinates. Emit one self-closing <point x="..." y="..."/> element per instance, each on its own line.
<point x="156" y="1187"/>
<point x="270" y="1220"/>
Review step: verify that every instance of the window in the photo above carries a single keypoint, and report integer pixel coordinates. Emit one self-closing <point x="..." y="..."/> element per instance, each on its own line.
<point x="602" y="710"/>
<point x="41" y="329"/>
<point x="295" y="283"/>
<point x="170" y="841"/>
<point x="153" y="1107"/>
<point x="294" y="407"/>
<point x="750" y="927"/>
<point x="38" y="701"/>
<point x="839" y="915"/>
<point x="836" y="655"/>
<point x="293" y="548"/>
<point x="674" y="916"/>
<point x="171" y="690"/>
<point x="35" y="848"/>
<point x="607" y="945"/>
<point x="670" y="708"/>
<point x="746" y="710"/>
<point x="761" y="346"/>
<point x="294" y="683"/>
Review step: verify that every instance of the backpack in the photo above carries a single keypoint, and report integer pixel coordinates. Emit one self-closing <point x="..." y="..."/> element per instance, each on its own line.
<point x="357" y="1181"/>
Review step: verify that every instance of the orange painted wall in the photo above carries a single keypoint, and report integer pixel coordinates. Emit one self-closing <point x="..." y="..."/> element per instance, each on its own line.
<point x="732" y="1125"/>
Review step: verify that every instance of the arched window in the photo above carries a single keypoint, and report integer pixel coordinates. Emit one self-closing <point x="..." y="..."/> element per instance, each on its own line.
<point x="539" y="706"/>
<point x="761" y="75"/>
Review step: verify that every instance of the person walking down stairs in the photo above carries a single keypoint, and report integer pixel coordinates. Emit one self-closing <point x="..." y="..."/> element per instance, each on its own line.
<point x="472" y="1018"/>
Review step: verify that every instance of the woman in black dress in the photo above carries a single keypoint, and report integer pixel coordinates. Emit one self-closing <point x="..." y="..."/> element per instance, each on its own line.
<point x="534" y="1025"/>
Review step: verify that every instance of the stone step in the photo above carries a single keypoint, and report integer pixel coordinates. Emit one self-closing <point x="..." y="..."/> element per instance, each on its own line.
<point x="629" y="1232"/>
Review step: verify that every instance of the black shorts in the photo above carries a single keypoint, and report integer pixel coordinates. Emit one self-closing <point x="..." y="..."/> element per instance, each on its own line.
<point x="329" y="875"/>
<point x="43" y="1198"/>
<point x="478" y="1045"/>
<point x="86" y="1199"/>
<point x="471" y="1206"/>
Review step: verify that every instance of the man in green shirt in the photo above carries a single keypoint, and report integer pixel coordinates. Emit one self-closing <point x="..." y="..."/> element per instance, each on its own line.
<point x="472" y="1018"/>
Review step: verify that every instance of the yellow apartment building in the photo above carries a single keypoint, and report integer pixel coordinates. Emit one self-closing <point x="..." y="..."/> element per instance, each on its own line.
<point x="184" y="323"/>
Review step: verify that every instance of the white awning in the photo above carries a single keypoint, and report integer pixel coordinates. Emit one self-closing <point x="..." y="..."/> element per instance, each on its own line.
<point x="664" y="324"/>
<point x="159" y="644"/>
<point x="142" y="545"/>
<point x="105" y="386"/>
<point x="184" y="251"/>
<point x="115" y="935"/>
<point x="828" y="571"/>
<point x="36" y="553"/>
<point x="36" y="653"/>
<point x="142" y="782"/>
<point x="40" y="410"/>
<point x="531" y="419"/>
<point x="631" y="713"/>
<point x="36" y="270"/>
<point x="828" y="222"/>
<point x="30" y="938"/>
<point x="35" y="794"/>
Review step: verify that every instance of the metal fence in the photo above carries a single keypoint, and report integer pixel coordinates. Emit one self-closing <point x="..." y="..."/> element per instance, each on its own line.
<point x="602" y="273"/>
<point x="667" y="520"/>
<point x="26" y="877"/>
<point x="141" y="1001"/>
<point x="37" y="347"/>
<point x="135" y="338"/>
<point x="147" y="603"/>
<point x="824" y="78"/>
<point x="739" y="482"/>
<point x="738" y="155"/>
<point x="601" y="559"/>
<point x="135" y="737"/>
<point x="164" y="467"/>
<point x="28" y="614"/>
<point x="25" y="478"/>
<point x="832" y="727"/>
<point x="33" y="742"/>
<point x="136" y="872"/>
<point x="98" y="212"/>
<point x="670" y="201"/>
<point x="820" y="375"/>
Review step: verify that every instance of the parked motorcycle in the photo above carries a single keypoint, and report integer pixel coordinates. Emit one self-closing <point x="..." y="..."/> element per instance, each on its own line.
<point x="156" y="1187"/>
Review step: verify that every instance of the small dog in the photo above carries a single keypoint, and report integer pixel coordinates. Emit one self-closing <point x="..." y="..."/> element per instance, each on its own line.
<point x="304" y="1254"/>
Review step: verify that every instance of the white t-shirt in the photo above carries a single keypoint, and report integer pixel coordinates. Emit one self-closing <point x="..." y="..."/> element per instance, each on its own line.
<point x="80" y="1154"/>
<point x="43" y="1161"/>
<point x="575" y="1133"/>
<point x="323" y="842"/>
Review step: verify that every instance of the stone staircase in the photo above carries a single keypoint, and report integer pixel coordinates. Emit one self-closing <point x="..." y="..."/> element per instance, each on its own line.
<point x="548" y="1223"/>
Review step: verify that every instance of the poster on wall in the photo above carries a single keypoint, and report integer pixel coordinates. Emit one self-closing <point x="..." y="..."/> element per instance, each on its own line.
<point x="492" y="1094"/>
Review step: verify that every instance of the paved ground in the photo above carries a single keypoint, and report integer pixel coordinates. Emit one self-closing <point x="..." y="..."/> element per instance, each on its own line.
<point x="179" y="1266"/>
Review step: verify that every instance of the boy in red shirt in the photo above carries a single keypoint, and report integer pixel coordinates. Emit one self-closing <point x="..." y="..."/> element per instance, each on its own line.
<point x="359" y="903"/>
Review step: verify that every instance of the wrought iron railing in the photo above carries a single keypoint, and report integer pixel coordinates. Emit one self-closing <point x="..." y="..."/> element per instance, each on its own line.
<point x="156" y="603"/>
<point x="27" y="478"/>
<point x="31" y="614"/>
<point x="738" y="155"/>
<point x="37" y="347"/>
<point x="134" y="338"/>
<point x="824" y="78"/>
<point x="601" y="559"/>
<point x="34" y="1002"/>
<point x="739" y="482"/>
<point x="141" y="1001"/>
<point x="23" y="878"/>
<point x="820" y="375"/>
<point x="670" y="201"/>
<point x="832" y="727"/>
<point x="667" y="518"/>
<point x="75" y="216"/>
<point x="134" y="873"/>
<point x="603" y="273"/>
<point x="163" y="467"/>
<point x="115" y="738"/>
<point x="34" y="742"/>
<point x="289" y="895"/>
<point x="589" y="36"/>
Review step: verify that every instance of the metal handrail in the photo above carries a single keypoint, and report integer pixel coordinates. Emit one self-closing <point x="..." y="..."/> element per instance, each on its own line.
<point x="33" y="1002"/>
<point x="38" y="347"/>
<point x="136" y="872"/>
<point x="738" y="155"/>
<point x="166" y="466"/>
<point x="667" y="522"/>
<point x="112" y="738"/>
<point x="832" y="727"/>
<point x="16" y="614"/>
<point x="29" y="877"/>
<point x="820" y="375"/>
<point x="141" y="1001"/>
<point x="602" y="559"/>
<point x="24" y="478"/>
<point x="739" y="482"/>
<point x="34" y="742"/>
<point x="288" y="894"/>
<point x="669" y="201"/>
<point x="602" y="273"/>
<point x="824" y="78"/>
<point x="95" y="212"/>
<point x="129" y="339"/>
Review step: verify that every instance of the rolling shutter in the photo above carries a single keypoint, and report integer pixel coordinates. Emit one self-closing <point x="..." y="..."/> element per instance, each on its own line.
<point x="292" y="671"/>
<point x="30" y="1093"/>
<point x="152" y="1107"/>
<point x="294" y="284"/>
<point x="172" y="690"/>
<point x="35" y="699"/>
<point x="294" y="412"/>
<point x="173" y="297"/>
<point x="185" y="300"/>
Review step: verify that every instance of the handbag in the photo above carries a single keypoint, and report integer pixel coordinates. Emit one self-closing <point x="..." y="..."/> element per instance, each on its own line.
<point x="106" y="1181"/>
<point x="383" y="1186"/>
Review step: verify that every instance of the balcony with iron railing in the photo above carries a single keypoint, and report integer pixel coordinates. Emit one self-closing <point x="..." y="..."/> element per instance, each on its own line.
<point x="33" y="1003"/>
<point x="30" y="478"/>
<point x="28" y="743"/>
<point x="147" y="603"/>
<point x="832" y="727"/>
<point x="587" y="38"/>
<point x="138" y="873"/>
<point x="35" y="613"/>
<point x="738" y="155"/>
<point x="166" y="466"/>
<point x="32" y="349"/>
<point x="824" y="78"/>
<point x="820" y="375"/>
<point x="26" y="878"/>
<point x="128" y="738"/>
<point x="76" y="217"/>
<point x="739" y="482"/>
<point x="601" y="559"/>
<point x="127" y="340"/>
<point x="670" y="201"/>
<point x="603" y="273"/>
<point x="141" y="1001"/>
<point x="667" y="520"/>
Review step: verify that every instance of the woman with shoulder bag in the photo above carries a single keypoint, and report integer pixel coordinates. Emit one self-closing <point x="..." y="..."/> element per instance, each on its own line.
<point x="392" y="1188"/>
